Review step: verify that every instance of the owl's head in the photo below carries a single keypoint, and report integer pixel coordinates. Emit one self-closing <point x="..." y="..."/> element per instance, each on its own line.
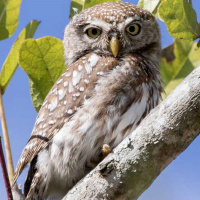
<point x="112" y="29"/>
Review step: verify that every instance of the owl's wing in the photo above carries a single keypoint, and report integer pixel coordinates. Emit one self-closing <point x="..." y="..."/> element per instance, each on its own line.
<point x="63" y="100"/>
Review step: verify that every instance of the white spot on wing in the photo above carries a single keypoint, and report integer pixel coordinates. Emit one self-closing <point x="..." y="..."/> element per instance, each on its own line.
<point x="71" y="89"/>
<point x="86" y="81"/>
<point x="53" y="104"/>
<point x="52" y="121"/>
<point x="76" y="79"/>
<point x="74" y="73"/>
<point x="81" y="89"/>
<point x="80" y="67"/>
<point x="59" y="81"/>
<point x="65" y="84"/>
<point x="69" y="111"/>
<point x="40" y="118"/>
<point x="93" y="59"/>
<point x="88" y="68"/>
<point x="61" y="94"/>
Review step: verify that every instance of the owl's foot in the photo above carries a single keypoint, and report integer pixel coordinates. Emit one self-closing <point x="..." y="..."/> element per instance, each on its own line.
<point x="106" y="150"/>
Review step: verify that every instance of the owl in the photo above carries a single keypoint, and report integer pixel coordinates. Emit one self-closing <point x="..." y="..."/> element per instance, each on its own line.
<point x="112" y="51"/>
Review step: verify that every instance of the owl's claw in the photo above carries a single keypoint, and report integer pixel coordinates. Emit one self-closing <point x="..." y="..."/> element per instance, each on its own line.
<point x="106" y="150"/>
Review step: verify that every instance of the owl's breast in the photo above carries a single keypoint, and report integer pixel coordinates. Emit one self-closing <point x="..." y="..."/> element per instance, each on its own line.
<point x="121" y="99"/>
<point x="128" y="121"/>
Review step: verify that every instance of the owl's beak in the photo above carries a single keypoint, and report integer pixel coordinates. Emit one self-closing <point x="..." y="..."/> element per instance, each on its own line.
<point x="114" y="45"/>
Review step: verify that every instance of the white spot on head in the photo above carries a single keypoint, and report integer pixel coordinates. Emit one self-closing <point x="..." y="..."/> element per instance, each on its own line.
<point x="106" y="26"/>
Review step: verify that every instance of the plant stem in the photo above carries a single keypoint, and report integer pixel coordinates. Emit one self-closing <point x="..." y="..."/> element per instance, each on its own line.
<point x="5" y="173"/>
<point x="190" y="1"/>
<point x="6" y="141"/>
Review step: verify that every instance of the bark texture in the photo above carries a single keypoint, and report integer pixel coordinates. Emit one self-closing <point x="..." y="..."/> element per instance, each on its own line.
<point x="132" y="167"/>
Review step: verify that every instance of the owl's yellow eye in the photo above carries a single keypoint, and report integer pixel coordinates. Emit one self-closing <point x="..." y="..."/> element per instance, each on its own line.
<point x="133" y="29"/>
<point x="93" y="32"/>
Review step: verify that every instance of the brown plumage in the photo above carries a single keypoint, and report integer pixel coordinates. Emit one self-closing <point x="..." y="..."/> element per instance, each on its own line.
<point x="99" y="100"/>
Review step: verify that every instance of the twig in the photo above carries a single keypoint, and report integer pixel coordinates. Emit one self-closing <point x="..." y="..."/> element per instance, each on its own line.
<point x="5" y="174"/>
<point x="6" y="141"/>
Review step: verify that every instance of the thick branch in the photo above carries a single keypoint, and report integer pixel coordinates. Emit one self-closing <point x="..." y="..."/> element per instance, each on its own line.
<point x="140" y="158"/>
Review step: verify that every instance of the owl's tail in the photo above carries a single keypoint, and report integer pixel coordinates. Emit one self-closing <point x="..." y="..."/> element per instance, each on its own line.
<point x="30" y="176"/>
<point x="34" y="192"/>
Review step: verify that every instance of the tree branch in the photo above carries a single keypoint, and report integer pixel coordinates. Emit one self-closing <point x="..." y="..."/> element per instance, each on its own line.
<point x="5" y="174"/>
<point x="141" y="157"/>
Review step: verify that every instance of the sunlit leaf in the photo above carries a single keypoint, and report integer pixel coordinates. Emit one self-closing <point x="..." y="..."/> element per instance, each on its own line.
<point x="43" y="61"/>
<point x="9" y="13"/>
<point x="76" y="7"/>
<point x="178" y="60"/>
<point x="180" y="18"/>
<point x="149" y="5"/>
<point x="11" y="62"/>
<point x="36" y="95"/>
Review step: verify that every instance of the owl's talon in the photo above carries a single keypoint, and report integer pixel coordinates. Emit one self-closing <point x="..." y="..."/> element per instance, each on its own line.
<point x="106" y="150"/>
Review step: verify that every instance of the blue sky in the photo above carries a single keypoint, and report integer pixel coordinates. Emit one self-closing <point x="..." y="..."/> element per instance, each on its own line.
<point x="179" y="181"/>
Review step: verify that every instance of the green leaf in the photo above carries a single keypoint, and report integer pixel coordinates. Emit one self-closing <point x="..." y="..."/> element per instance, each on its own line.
<point x="78" y="5"/>
<point x="11" y="62"/>
<point x="36" y="95"/>
<point x="180" y="18"/>
<point x="43" y="61"/>
<point x="9" y="13"/>
<point x="178" y="60"/>
<point x="149" y="5"/>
